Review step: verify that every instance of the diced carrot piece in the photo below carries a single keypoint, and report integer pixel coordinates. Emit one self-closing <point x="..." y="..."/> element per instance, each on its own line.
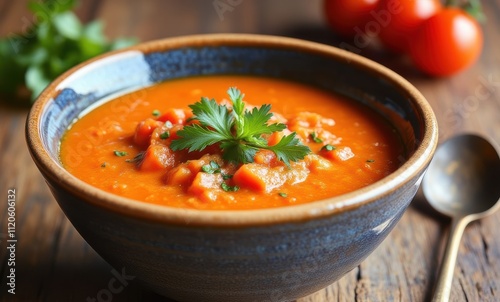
<point x="175" y="116"/>
<point x="173" y="131"/>
<point x="302" y="133"/>
<point x="262" y="178"/>
<point x="316" y="162"/>
<point x="195" y="165"/>
<point x="204" y="182"/>
<point x="265" y="157"/>
<point x="157" y="157"/>
<point x="275" y="138"/>
<point x="306" y="120"/>
<point x="144" y="130"/>
<point x="251" y="176"/>
<point x="162" y="135"/>
<point x="180" y="176"/>
<point x="339" y="154"/>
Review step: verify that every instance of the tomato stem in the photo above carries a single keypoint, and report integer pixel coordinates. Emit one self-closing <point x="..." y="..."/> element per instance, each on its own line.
<point x="472" y="7"/>
<point x="451" y="3"/>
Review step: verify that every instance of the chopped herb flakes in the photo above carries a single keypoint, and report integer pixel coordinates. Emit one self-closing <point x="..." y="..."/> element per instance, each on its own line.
<point x="103" y="165"/>
<point x="120" y="153"/>
<point x="227" y="176"/>
<point x="165" y="135"/>
<point x="370" y="160"/>
<point x="283" y="194"/>
<point x="137" y="159"/>
<point x="211" y="168"/>
<point x="315" y="137"/>
<point x="328" y="147"/>
<point x="229" y="188"/>
<point x="156" y="112"/>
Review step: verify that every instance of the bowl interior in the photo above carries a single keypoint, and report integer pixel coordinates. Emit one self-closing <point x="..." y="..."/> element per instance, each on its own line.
<point x="325" y="67"/>
<point x="122" y="72"/>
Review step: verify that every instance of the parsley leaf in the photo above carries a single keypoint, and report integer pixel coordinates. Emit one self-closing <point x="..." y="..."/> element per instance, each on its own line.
<point x="289" y="148"/>
<point x="47" y="47"/>
<point x="229" y="188"/>
<point x="120" y="153"/>
<point x="211" y="168"/>
<point x="211" y="114"/>
<point x="165" y="135"/>
<point x="238" y="131"/>
<point x="196" y="138"/>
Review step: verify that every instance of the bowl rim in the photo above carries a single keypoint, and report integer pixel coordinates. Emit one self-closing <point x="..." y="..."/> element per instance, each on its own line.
<point x="416" y="163"/>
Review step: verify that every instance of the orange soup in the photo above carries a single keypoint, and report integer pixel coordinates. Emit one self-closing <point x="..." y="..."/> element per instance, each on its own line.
<point x="169" y="145"/>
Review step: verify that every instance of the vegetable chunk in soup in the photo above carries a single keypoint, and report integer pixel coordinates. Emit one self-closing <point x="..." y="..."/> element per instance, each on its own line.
<point x="262" y="143"/>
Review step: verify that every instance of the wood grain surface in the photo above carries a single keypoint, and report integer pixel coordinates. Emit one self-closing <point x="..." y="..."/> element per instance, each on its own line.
<point x="53" y="263"/>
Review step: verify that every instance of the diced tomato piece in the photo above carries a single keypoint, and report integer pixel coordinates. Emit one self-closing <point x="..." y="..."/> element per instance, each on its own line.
<point x="157" y="157"/>
<point x="266" y="157"/>
<point x="252" y="176"/>
<point x="306" y="120"/>
<point x="339" y="153"/>
<point x="162" y="135"/>
<point x="144" y="130"/>
<point x="180" y="176"/>
<point x="175" y="116"/>
<point x="275" y="138"/>
<point x="316" y="162"/>
<point x="173" y="131"/>
<point x="204" y="182"/>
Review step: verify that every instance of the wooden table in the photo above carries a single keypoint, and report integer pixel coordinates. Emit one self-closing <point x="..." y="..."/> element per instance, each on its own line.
<point x="53" y="263"/>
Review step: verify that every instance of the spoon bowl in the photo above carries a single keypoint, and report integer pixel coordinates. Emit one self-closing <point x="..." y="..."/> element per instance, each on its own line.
<point x="463" y="177"/>
<point x="462" y="183"/>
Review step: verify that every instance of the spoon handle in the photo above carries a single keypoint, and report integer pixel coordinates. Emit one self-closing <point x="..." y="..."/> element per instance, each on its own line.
<point x="445" y="277"/>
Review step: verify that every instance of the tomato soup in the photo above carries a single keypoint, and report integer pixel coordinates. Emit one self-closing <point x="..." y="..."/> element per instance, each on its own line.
<point x="127" y="146"/>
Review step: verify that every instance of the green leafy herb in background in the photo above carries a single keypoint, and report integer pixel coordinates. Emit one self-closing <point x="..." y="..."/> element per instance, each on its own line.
<point x="50" y="46"/>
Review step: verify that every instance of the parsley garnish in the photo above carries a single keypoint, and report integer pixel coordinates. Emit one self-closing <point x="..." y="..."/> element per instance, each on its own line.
<point x="165" y="135"/>
<point x="328" y="147"/>
<point x="137" y="159"/>
<point x="52" y="42"/>
<point x="238" y="131"/>
<point x="283" y="194"/>
<point x="120" y="153"/>
<point x="156" y="113"/>
<point x="229" y="188"/>
<point x="211" y="168"/>
<point x="315" y="137"/>
<point x="227" y="176"/>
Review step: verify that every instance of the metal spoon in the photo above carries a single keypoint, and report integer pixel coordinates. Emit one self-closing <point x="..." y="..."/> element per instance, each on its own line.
<point x="462" y="182"/>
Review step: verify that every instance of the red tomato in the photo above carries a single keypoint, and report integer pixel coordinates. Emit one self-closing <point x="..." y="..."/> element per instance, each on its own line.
<point x="404" y="18"/>
<point x="348" y="17"/>
<point x="446" y="43"/>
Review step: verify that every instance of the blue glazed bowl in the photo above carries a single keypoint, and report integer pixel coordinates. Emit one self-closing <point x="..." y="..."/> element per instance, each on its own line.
<point x="260" y="255"/>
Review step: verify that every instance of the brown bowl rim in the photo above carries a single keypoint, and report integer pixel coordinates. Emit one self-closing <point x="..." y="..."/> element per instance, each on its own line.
<point x="238" y="218"/>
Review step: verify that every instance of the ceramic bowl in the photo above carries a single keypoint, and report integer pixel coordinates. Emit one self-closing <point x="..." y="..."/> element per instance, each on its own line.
<point x="259" y="255"/>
